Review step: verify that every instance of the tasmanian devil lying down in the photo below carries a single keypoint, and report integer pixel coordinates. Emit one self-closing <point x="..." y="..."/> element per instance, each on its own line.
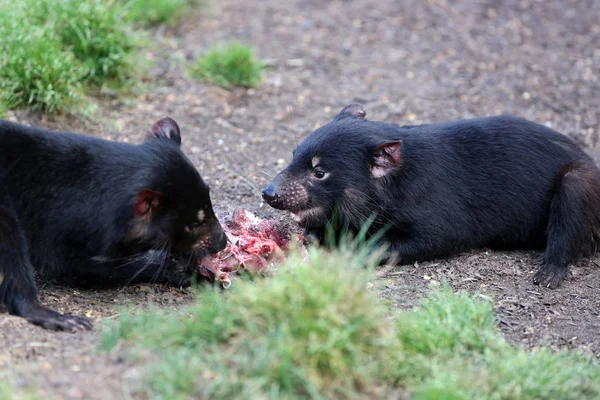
<point x="438" y="189"/>
<point x="84" y="210"/>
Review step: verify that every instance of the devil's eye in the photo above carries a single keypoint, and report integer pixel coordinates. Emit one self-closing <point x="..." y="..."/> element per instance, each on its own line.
<point x="319" y="174"/>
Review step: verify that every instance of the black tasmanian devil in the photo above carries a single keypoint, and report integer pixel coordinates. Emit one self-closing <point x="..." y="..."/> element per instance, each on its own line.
<point x="500" y="182"/>
<point x="83" y="210"/>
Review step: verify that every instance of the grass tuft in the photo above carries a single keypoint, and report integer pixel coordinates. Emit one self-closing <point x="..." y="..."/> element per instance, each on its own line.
<point x="316" y="331"/>
<point x="5" y="392"/>
<point x="154" y="12"/>
<point x="454" y="351"/>
<point x="448" y="323"/>
<point x="232" y="64"/>
<point x="53" y="51"/>
<point x="34" y="71"/>
<point x="91" y="30"/>
<point x="95" y="33"/>
<point x="49" y="49"/>
<point x="8" y="391"/>
<point x="314" y="328"/>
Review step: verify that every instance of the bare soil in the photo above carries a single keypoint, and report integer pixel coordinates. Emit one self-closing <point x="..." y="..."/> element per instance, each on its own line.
<point x="407" y="61"/>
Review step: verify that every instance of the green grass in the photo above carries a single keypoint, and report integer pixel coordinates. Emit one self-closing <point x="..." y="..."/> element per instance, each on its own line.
<point x="49" y="50"/>
<point x="316" y="331"/>
<point x="6" y="393"/>
<point x="54" y="52"/>
<point x="9" y="392"/>
<point x="455" y="352"/>
<point x="231" y="64"/>
<point x="95" y="33"/>
<point x="34" y="71"/>
<point x="290" y="335"/>
<point x="154" y="12"/>
<point x="448" y="322"/>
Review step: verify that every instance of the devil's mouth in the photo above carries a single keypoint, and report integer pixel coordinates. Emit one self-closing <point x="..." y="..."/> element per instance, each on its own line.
<point x="302" y="217"/>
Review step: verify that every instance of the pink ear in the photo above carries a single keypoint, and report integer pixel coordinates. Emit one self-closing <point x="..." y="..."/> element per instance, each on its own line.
<point x="166" y="128"/>
<point x="353" y="110"/>
<point x="146" y="203"/>
<point x="386" y="158"/>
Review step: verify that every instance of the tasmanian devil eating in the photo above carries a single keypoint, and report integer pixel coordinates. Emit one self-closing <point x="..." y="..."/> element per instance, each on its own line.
<point x="83" y="210"/>
<point x="438" y="189"/>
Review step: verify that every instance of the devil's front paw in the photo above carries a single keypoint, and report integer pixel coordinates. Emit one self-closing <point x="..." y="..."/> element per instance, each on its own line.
<point x="53" y="320"/>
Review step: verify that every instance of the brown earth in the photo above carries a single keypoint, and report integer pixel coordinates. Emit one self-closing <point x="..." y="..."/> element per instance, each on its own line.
<point x="407" y="61"/>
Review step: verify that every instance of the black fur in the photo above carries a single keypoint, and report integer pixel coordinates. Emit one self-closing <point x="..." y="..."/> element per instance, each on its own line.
<point x="440" y="189"/>
<point x="83" y="210"/>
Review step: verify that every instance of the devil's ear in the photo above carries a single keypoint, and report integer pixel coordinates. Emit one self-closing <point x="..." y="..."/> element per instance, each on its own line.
<point x="147" y="203"/>
<point x="353" y="110"/>
<point x="386" y="158"/>
<point x="166" y="128"/>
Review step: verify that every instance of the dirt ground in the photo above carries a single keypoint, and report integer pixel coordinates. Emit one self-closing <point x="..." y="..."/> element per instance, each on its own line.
<point x="408" y="61"/>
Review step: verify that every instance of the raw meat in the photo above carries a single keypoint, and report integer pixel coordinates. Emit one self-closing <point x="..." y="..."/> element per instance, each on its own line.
<point x="255" y="247"/>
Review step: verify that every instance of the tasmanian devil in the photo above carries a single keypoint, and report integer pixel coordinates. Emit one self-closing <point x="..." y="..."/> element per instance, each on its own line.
<point x="438" y="189"/>
<point x="84" y="210"/>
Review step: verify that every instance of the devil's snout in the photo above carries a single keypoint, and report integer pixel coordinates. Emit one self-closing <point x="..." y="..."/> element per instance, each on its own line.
<point x="271" y="196"/>
<point x="269" y="192"/>
<point x="219" y="239"/>
<point x="286" y="192"/>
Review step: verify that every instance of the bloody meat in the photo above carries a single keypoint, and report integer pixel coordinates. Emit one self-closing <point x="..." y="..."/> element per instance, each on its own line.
<point x="254" y="246"/>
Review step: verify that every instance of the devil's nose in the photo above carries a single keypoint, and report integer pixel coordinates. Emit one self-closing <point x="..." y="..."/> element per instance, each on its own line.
<point x="269" y="193"/>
